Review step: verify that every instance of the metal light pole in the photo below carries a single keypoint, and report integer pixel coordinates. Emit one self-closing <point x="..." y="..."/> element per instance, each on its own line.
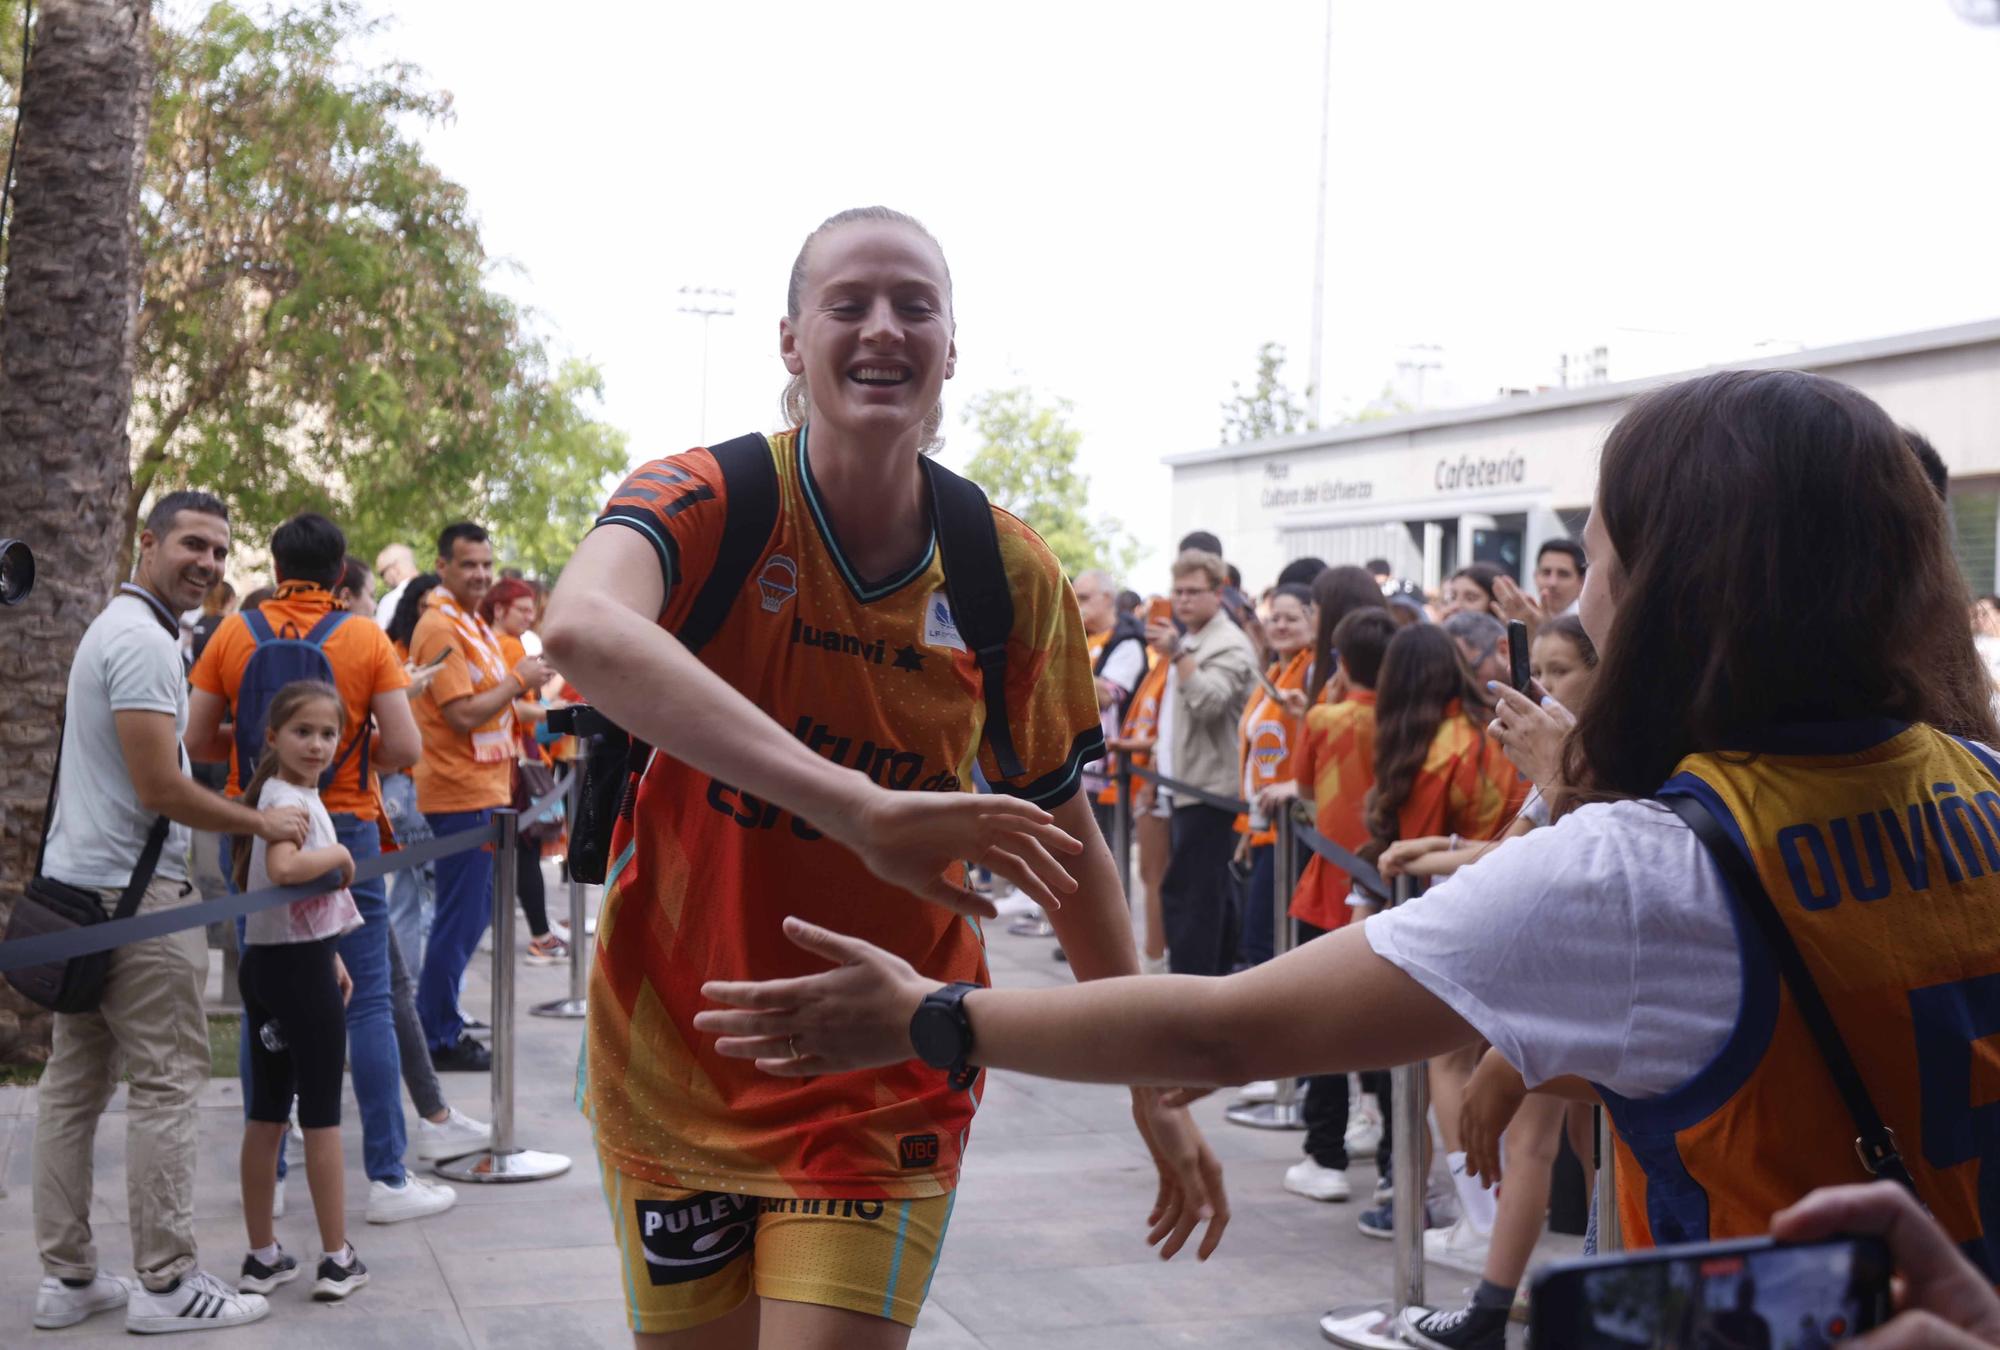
<point x="708" y="302"/>
<point x="1318" y="353"/>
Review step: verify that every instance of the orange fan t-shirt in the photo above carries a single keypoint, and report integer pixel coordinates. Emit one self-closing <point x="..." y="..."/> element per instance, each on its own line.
<point x="873" y="674"/>
<point x="364" y="664"/>
<point x="1335" y="766"/>
<point x="1467" y="786"/>
<point x="460" y="772"/>
<point x="1264" y="739"/>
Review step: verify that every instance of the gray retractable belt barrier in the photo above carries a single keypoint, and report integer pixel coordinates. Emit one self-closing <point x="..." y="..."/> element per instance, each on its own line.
<point x="579" y="936"/>
<point x="504" y="1161"/>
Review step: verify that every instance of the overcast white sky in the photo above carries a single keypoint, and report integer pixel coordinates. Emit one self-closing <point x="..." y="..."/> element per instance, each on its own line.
<point x="1125" y="191"/>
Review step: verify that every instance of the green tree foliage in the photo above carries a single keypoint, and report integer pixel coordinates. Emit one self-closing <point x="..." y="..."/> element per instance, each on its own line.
<point x="317" y="329"/>
<point x="1026" y="461"/>
<point x="1269" y="409"/>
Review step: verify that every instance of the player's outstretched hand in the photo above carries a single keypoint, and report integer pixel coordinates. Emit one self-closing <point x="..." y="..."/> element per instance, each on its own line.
<point x="1191" y="1190"/>
<point x="912" y="838"/>
<point x="855" y="1016"/>
<point x="1944" y="1301"/>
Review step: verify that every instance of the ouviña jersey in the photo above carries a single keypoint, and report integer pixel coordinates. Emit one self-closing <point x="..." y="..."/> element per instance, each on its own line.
<point x="1879" y="844"/>
<point x="873" y="675"/>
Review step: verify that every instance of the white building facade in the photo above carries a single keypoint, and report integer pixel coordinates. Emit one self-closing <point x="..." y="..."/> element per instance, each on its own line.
<point x="1433" y="491"/>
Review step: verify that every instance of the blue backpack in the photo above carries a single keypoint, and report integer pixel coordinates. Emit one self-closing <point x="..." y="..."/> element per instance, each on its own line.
<point x="278" y="660"/>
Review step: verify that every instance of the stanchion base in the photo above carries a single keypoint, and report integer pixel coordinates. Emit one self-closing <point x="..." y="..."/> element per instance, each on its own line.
<point x="1032" y="925"/>
<point x="1364" y="1326"/>
<point x="1267" y="1115"/>
<point x="521" y="1165"/>
<point x="561" y="1007"/>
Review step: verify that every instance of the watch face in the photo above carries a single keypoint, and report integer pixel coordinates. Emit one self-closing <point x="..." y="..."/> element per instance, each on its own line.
<point x="935" y="1033"/>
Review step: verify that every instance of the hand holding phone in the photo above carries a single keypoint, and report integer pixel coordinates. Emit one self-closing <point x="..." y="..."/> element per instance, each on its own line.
<point x="1749" y="1293"/>
<point x="1517" y="655"/>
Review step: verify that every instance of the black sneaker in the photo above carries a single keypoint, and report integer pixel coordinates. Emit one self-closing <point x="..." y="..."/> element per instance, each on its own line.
<point x="468" y="1056"/>
<point x="258" y="1278"/>
<point x="336" y="1281"/>
<point x="1460" y="1329"/>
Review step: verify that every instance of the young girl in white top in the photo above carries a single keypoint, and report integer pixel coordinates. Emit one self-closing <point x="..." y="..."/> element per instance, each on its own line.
<point x="294" y="992"/>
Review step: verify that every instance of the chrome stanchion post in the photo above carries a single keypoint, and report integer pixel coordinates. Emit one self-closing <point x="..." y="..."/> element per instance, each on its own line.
<point x="1283" y="1111"/>
<point x="579" y="939"/>
<point x="504" y="1162"/>
<point x="1121" y="831"/>
<point x="1610" y="1233"/>
<point x="1372" y="1326"/>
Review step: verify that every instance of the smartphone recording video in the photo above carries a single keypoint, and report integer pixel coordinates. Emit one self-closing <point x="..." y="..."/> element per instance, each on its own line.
<point x="1159" y="610"/>
<point x="1752" y="1295"/>
<point x="1517" y="655"/>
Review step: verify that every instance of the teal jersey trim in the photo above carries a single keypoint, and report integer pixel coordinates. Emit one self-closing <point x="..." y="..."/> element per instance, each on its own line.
<point x="864" y="592"/>
<point x="896" y="1262"/>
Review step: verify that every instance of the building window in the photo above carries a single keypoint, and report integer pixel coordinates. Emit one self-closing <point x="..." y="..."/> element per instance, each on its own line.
<point x="1975" y="531"/>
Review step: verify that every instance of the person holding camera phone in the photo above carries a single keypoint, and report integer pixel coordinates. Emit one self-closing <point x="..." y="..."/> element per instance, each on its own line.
<point x="1826" y="743"/>
<point x="123" y="791"/>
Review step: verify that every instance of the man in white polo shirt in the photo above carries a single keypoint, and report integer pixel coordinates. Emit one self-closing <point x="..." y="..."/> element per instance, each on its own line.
<point x="122" y="768"/>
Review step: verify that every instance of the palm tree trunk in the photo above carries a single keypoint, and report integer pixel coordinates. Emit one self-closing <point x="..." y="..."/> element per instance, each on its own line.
<point x="66" y="353"/>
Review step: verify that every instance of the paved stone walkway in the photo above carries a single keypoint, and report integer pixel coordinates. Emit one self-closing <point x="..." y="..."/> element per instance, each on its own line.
<point x="1046" y="1247"/>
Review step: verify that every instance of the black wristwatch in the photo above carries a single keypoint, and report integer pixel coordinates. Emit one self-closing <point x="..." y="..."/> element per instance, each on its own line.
<point x="941" y="1033"/>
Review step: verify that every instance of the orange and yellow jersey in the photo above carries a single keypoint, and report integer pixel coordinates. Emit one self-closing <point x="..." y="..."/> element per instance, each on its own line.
<point x="1467" y="785"/>
<point x="874" y="675"/>
<point x="1879" y="845"/>
<point x="1142" y="711"/>
<point x="1335" y="766"/>
<point x="1265" y="735"/>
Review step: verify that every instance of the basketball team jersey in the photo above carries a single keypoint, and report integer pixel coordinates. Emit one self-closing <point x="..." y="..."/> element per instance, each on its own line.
<point x="874" y="675"/>
<point x="1879" y="844"/>
<point x="1265" y="735"/>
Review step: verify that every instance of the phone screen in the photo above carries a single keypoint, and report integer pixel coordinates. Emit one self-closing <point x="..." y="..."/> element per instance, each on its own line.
<point x="1517" y="654"/>
<point x="1753" y="1293"/>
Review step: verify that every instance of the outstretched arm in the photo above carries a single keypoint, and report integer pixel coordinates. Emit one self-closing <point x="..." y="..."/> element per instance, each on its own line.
<point x="1330" y="1006"/>
<point x="603" y="631"/>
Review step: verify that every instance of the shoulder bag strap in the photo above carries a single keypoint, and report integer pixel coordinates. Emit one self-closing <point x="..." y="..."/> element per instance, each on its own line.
<point x="981" y="605"/>
<point x="55" y="776"/>
<point x="1876" y="1142"/>
<point x="142" y="876"/>
<point x="750" y="504"/>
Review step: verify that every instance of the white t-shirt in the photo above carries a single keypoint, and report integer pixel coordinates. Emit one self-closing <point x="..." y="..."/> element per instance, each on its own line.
<point x="1602" y="946"/>
<point x="125" y="663"/>
<point x="1125" y="667"/>
<point x="316" y="917"/>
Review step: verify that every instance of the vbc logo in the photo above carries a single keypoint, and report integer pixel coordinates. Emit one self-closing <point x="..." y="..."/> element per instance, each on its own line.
<point x="917" y="1150"/>
<point x="778" y="582"/>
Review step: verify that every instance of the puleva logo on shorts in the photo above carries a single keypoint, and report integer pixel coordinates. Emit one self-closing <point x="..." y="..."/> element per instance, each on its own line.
<point x="939" y="629"/>
<point x="778" y="582"/>
<point x="694" y="1238"/>
<point x="917" y="1150"/>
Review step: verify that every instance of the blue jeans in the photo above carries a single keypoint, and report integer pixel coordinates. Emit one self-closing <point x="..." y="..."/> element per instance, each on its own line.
<point x="411" y="890"/>
<point x="464" y="908"/>
<point x="1259" y="934"/>
<point x="373" y="1060"/>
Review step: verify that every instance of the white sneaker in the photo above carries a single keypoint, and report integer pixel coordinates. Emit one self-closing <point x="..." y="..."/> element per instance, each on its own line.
<point x="200" y="1302"/>
<point x="1364" y="1137"/>
<point x="457" y="1135"/>
<point x="1263" y="1090"/>
<point x="1306" y="1177"/>
<point x="58" y="1305"/>
<point x="414" y="1199"/>
<point x="1461" y="1246"/>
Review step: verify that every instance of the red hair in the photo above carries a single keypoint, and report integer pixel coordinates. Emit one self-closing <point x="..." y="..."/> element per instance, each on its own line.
<point x="504" y="593"/>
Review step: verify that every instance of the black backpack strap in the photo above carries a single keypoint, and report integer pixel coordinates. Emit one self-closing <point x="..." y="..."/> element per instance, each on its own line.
<point x="750" y="486"/>
<point x="1876" y="1142"/>
<point x="981" y="605"/>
